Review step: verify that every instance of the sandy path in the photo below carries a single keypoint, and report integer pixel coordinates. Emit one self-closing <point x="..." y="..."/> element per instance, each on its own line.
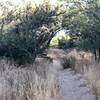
<point x="73" y="86"/>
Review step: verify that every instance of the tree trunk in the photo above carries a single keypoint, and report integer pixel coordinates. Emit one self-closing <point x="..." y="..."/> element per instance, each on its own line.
<point x="99" y="53"/>
<point x="95" y="54"/>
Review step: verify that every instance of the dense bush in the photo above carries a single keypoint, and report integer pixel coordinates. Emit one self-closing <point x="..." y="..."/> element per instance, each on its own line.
<point x="65" y="44"/>
<point x="62" y="43"/>
<point x="29" y="33"/>
<point x="68" y="62"/>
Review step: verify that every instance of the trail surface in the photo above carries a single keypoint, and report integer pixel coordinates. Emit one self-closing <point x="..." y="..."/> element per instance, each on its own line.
<point x="73" y="86"/>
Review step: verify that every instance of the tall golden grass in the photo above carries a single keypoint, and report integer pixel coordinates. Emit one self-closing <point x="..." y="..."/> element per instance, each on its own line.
<point x="35" y="82"/>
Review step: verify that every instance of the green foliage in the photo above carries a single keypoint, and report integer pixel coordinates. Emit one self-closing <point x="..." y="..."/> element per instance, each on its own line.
<point x="83" y="20"/>
<point x="63" y="43"/>
<point x="84" y="44"/>
<point x="30" y="33"/>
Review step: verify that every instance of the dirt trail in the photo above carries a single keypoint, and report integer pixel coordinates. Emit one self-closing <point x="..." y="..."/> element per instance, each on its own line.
<point x="72" y="85"/>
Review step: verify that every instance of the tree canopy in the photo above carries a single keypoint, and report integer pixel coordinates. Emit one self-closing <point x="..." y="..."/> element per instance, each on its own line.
<point x="83" y="21"/>
<point x="27" y="33"/>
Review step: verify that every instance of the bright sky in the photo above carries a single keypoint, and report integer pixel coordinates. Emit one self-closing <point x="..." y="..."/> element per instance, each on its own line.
<point x="20" y="2"/>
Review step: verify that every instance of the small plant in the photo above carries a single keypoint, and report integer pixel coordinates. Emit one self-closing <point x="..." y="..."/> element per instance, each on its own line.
<point x="63" y="43"/>
<point x="68" y="62"/>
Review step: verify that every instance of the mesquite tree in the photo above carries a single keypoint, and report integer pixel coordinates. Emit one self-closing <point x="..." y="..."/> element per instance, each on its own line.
<point x="28" y="32"/>
<point x="83" y="21"/>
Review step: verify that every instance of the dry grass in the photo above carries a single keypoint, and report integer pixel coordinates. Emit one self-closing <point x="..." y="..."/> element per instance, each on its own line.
<point x="85" y="64"/>
<point x="36" y="82"/>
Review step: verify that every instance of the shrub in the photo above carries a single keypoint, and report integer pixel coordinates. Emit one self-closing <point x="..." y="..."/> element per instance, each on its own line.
<point x="62" y="43"/>
<point x="30" y="34"/>
<point x="68" y="62"/>
<point x="65" y="44"/>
